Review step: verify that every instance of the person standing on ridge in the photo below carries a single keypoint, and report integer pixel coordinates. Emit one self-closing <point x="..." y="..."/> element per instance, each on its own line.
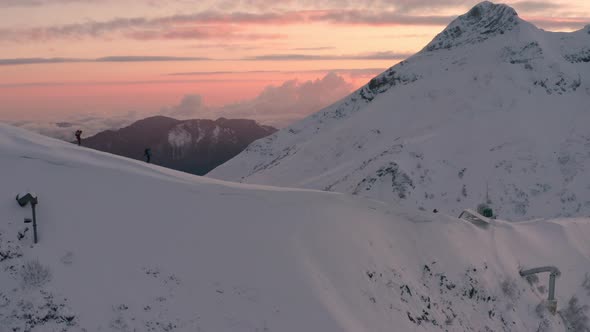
<point x="148" y="155"/>
<point x="79" y="136"/>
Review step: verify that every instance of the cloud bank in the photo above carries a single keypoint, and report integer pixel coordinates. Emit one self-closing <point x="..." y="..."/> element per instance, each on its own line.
<point x="141" y="58"/>
<point x="230" y="20"/>
<point x="382" y="55"/>
<point x="275" y="105"/>
<point x="90" y="125"/>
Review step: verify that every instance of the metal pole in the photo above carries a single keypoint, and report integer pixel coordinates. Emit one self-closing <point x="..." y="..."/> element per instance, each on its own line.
<point x="34" y="223"/>
<point x="552" y="286"/>
<point x="554" y="273"/>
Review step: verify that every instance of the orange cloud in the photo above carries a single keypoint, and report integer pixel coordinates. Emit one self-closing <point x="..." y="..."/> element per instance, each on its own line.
<point x="202" y="33"/>
<point x="234" y="25"/>
<point x="213" y="25"/>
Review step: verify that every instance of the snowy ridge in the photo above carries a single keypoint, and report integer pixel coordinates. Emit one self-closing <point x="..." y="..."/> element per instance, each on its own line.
<point x="480" y="116"/>
<point x="485" y="20"/>
<point x="126" y="246"/>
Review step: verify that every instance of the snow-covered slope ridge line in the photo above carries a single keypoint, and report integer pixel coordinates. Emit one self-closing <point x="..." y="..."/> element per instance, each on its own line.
<point x="484" y="21"/>
<point x="126" y="246"/>
<point x="492" y="109"/>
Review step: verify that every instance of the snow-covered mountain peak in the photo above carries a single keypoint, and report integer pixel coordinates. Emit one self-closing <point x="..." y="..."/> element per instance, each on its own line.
<point x="483" y="21"/>
<point x="490" y="10"/>
<point x="491" y="110"/>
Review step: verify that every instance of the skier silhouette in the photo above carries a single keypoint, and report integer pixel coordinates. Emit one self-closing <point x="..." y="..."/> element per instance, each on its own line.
<point x="148" y="155"/>
<point x="78" y="135"/>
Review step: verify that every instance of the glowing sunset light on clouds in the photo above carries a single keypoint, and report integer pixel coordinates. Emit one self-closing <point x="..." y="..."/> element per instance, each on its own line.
<point x="105" y="63"/>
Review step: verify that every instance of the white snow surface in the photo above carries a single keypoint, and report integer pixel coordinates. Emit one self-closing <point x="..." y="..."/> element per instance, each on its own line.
<point x="181" y="140"/>
<point x="128" y="246"/>
<point x="493" y="106"/>
<point x="215" y="134"/>
<point x="179" y="137"/>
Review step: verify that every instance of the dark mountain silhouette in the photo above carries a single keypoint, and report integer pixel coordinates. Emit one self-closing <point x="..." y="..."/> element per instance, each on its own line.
<point x="192" y="146"/>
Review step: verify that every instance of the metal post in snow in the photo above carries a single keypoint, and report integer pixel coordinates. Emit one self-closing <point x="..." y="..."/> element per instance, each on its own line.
<point x="23" y="201"/>
<point x="34" y="223"/>
<point x="554" y="273"/>
<point x="552" y="277"/>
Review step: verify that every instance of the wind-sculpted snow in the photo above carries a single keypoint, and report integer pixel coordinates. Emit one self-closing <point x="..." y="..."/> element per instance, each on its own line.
<point x="499" y="117"/>
<point x="126" y="246"/>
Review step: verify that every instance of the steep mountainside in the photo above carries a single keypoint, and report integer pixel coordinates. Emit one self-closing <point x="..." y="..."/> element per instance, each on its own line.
<point x="193" y="146"/>
<point x="493" y="109"/>
<point x="126" y="246"/>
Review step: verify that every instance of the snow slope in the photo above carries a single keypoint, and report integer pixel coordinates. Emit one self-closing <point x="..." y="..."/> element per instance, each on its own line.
<point x="492" y="102"/>
<point x="127" y="246"/>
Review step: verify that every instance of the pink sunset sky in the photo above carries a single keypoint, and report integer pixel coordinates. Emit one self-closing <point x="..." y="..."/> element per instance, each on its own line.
<point x="108" y="62"/>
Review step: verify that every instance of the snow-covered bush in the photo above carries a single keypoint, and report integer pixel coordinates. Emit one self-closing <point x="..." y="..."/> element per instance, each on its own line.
<point x="34" y="274"/>
<point x="68" y="258"/>
<point x="542" y="314"/>
<point x="576" y="315"/>
<point x="509" y="288"/>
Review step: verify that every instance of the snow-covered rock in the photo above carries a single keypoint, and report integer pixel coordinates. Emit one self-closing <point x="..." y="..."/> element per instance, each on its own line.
<point x="493" y="109"/>
<point x="484" y="21"/>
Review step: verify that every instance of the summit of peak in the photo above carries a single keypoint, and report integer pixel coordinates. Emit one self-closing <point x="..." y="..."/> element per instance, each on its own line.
<point x="483" y="21"/>
<point x="487" y="8"/>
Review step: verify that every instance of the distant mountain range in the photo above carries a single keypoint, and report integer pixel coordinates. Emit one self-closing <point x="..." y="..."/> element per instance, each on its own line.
<point x="192" y="146"/>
